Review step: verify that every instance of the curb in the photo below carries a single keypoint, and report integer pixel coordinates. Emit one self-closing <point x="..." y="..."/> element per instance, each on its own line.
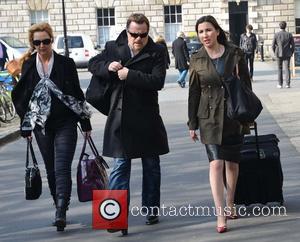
<point x="12" y="136"/>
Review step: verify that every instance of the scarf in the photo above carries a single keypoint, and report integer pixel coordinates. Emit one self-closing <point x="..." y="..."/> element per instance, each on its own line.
<point x="40" y="101"/>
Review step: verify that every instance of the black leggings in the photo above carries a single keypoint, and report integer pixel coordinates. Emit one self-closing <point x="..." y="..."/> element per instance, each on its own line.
<point x="57" y="147"/>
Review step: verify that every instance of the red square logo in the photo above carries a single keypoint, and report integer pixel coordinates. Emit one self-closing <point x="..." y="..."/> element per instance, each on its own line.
<point x="110" y="209"/>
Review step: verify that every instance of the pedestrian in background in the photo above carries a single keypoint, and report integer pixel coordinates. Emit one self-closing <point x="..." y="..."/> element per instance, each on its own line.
<point x="3" y="56"/>
<point x="248" y="44"/>
<point x="160" y="40"/>
<point x="49" y="101"/>
<point x="134" y="68"/>
<point x="182" y="59"/>
<point x="222" y="136"/>
<point x="283" y="47"/>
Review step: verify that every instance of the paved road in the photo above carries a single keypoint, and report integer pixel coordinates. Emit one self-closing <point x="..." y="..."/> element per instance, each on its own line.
<point x="184" y="180"/>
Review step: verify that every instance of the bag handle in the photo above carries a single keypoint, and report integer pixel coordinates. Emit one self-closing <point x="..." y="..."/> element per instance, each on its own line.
<point x="29" y="147"/>
<point x="92" y="146"/>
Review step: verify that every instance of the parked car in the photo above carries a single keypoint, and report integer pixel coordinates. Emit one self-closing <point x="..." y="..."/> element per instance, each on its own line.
<point x="193" y="46"/>
<point x="81" y="48"/>
<point x="14" y="47"/>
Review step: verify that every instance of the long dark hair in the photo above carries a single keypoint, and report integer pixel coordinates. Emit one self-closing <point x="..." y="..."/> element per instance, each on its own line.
<point x="222" y="39"/>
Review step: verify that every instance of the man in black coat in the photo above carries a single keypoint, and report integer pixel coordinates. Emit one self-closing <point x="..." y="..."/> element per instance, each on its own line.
<point x="181" y="54"/>
<point x="3" y="56"/>
<point x="133" y="67"/>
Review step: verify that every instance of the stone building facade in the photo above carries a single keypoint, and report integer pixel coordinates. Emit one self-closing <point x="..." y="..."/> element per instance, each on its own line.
<point x="89" y="16"/>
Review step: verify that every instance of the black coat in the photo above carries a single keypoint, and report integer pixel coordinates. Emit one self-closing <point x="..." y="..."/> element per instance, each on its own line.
<point x="64" y="75"/>
<point x="181" y="54"/>
<point x="134" y="127"/>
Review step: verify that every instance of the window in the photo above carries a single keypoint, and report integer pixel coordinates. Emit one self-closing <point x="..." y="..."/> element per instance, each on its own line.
<point x="173" y="21"/>
<point x="105" y="19"/>
<point x="297" y="23"/>
<point x="73" y="42"/>
<point x="38" y="16"/>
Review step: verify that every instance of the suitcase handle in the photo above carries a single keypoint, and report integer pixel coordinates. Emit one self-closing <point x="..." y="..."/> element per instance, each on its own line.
<point x="256" y="139"/>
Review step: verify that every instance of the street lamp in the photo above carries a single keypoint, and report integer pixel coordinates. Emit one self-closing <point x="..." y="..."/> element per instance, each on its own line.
<point x="65" y="29"/>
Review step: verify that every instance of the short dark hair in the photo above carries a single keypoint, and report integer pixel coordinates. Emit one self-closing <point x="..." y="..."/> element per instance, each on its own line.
<point x="249" y="26"/>
<point x="138" y="18"/>
<point x="282" y="25"/>
<point x="222" y="39"/>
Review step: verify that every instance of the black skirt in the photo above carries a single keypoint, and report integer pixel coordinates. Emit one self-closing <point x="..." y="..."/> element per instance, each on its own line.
<point x="229" y="150"/>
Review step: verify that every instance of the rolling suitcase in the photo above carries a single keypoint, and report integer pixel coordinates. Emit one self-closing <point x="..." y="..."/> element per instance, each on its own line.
<point x="260" y="177"/>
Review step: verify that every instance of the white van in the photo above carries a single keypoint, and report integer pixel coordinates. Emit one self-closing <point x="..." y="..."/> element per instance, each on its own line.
<point x="81" y="48"/>
<point x="14" y="47"/>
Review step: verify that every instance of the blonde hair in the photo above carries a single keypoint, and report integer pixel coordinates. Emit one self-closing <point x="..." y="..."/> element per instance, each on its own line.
<point x="180" y="34"/>
<point x="159" y="39"/>
<point x="40" y="27"/>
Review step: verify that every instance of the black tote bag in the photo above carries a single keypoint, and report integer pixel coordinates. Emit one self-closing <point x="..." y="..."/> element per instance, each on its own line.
<point x="98" y="94"/>
<point x="242" y="103"/>
<point x="33" y="181"/>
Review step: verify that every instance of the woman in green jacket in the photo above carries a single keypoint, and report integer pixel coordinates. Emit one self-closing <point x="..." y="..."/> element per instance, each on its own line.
<point x="214" y="62"/>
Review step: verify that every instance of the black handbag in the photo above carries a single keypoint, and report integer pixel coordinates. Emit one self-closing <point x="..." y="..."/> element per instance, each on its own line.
<point x="98" y="94"/>
<point x="242" y="103"/>
<point x="33" y="181"/>
<point x="91" y="172"/>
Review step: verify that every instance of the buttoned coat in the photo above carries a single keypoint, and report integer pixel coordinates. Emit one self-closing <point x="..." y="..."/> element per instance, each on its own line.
<point x="134" y="127"/>
<point x="206" y="103"/>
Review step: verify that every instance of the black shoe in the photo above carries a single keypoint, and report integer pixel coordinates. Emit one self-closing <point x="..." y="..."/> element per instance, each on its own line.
<point x="60" y="215"/>
<point x="179" y="83"/>
<point x="123" y="231"/>
<point x="182" y="85"/>
<point x="152" y="220"/>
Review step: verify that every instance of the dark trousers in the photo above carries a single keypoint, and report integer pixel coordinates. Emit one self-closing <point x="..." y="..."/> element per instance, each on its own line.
<point x="120" y="177"/>
<point x="286" y="63"/>
<point x="57" y="147"/>
<point x="249" y="61"/>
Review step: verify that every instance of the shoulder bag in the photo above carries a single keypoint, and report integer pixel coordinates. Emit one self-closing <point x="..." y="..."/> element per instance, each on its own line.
<point x="242" y="103"/>
<point x="98" y="94"/>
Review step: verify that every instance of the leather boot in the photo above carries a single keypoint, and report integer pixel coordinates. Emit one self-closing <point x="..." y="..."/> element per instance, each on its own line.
<point x="60" y="215"/>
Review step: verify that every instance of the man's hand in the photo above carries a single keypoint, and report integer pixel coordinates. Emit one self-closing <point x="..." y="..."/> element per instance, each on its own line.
<point x="115" y="66"/>
<point x="122" y="73"/>
<point x="194" y="135"/>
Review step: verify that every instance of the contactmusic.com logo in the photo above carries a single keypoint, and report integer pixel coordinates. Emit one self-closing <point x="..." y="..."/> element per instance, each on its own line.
<point x="110" y="209"/>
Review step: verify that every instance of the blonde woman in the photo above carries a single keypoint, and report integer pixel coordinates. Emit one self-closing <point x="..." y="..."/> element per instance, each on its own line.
<point x="49" y="101"/>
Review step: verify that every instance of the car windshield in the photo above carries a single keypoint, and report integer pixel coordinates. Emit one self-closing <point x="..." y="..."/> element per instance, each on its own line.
<point x="13" y="42"/>
<point x="73" y="42"/>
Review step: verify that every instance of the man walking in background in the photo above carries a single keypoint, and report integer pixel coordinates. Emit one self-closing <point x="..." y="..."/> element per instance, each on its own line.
<point x="181" y="54"/>
<point x="248" y="43"/>
<point x="283" y="46"/>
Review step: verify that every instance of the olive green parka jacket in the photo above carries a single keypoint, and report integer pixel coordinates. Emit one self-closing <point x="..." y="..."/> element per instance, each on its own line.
<point x="206" y="102"/>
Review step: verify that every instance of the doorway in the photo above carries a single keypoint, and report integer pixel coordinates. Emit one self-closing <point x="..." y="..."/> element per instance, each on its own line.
<point x="238" y="19"/>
